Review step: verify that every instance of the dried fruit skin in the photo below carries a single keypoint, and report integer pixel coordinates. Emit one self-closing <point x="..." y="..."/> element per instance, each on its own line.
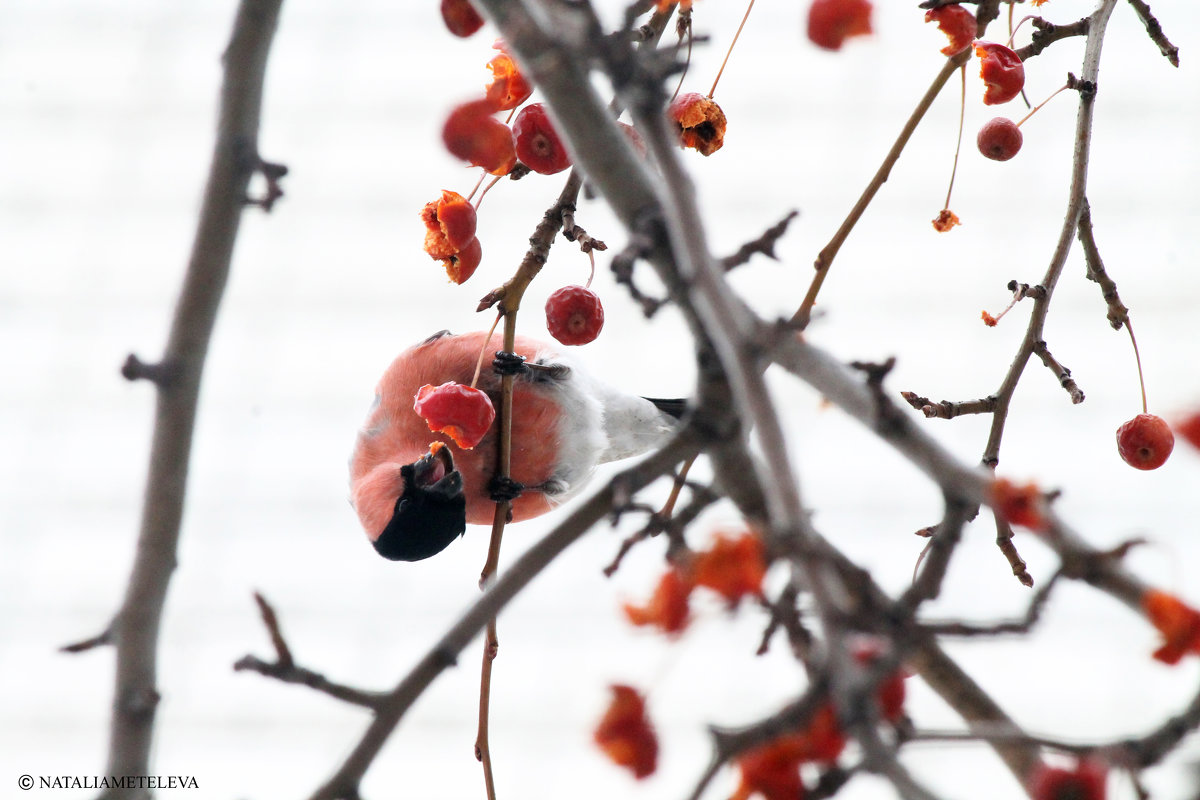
<point x="625" y="733"/>
<point x="945" y="221"/>
<point x="538" y="145"/>
<point x="1002" y="71"/>
<point x="461" y="412"/>
<point x="832" y="22"/>
<point x="1145" y="442"/>
<point x="508" y="88"/>
<point x="1085" y="782"/>
<point x="574" y="315"/>
<point x="1178" y="622"/>
<point x="957" y="23"/>
<point x="700" y="121"/>
<point x="460" y="17"/>
<point x="667" y="608"/>
<point x="999" y="139"/>
<point x="474" y="135"/>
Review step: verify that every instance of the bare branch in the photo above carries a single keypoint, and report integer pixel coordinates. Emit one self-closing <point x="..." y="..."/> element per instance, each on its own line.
<point x="764" y="244"/>
<point x="136" y="626"/>
<point x="1062" y="373"/>
<point x="1154" y="29"/>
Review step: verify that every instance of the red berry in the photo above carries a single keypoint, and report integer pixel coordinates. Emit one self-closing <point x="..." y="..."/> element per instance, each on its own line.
<point x="538" y="145"/>
<point x="1189" y="429"/>
<point x="508" y="88"/>
<point x="1085" y="782"/>
<point x="957" y="23"/>
<point x="574" y="315"/>
<point x="475" y="136"/>
<point x="700" y="121"/>
<point x="460" y="17"/>
<point x="1145" y="441"/>
<point x="1002" y="71"/>
<point x="461" y="412"/>
<point x="449" y="224"/>
<point x="461" y="265"/>
<point x="999" y="139"/>
<point x="831" y="22"/>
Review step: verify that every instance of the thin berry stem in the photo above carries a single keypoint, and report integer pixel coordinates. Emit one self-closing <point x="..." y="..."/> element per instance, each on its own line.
<point x="1137" y="356"/>
<point x="486" y="189"/>
<point x="482" y="176"/>
<point x="1034" y="110"/>
<point x="962" y="113"/>
<point x="1012" y="32"/>
<point x="484" y="349"/>
<point x="729" y="52"/>
<point x="591" y="258"/>
<point x="687" y="62"/>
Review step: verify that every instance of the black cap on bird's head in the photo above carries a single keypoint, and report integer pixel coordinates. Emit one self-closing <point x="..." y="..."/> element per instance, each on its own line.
<point x="430" y="514"/>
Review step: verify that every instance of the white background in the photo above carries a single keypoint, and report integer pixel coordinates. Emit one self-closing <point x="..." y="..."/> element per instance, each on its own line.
<point x="106" y="119"/>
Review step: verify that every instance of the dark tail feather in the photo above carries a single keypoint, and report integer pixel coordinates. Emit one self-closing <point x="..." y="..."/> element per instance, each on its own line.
<point x="676" y="407"/>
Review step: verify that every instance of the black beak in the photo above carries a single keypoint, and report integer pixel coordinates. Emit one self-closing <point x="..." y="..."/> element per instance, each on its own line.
<point x="434" y="472"/>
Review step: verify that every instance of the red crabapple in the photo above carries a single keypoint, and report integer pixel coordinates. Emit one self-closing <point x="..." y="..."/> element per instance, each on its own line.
<point x="1145" y="441"/>
<point x="574" y="315"/>
<point x="1002" y="71"/>
<point x="832" y="22"/>
<point x="463" y="413"/>
<point x="538" y="145"/>
<point x="957" y="23"/>
<point x="999" y="139"/>
<point x="474" y="135"/>
<point x="460" y="17"/>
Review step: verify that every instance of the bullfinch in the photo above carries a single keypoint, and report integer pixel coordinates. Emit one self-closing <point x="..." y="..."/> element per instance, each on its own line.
<point x="415" y="491"/>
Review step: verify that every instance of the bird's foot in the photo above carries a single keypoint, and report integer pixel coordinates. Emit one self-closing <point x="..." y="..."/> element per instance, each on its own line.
<point x="501" y="489"/>
<point x="506" y="363"/>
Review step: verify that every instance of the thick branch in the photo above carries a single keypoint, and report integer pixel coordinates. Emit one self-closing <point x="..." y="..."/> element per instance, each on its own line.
<point x="136" y="627"/>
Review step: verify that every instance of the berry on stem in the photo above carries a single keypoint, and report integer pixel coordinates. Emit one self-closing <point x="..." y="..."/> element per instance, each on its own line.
<point x="1145" y="442"/>
<point x="462" y="265"/>
<point x="463" y="413"/>
<point x="474" y="135"/>
<point x="945" y="221"/>
<point x="625" y="733"/>
<point x="999" y="139"/>
<point x="700" y="122"/>
<point x="1002" y="71"/>
<point x="449" y="224"/>
<point x="832" y="22"/>
<point x="1084" y="782"/>
<point x="574" y="315"/>
<point x="957" y="23"/>
<point x="460" y="17"/>
<point x="538" y="145"/>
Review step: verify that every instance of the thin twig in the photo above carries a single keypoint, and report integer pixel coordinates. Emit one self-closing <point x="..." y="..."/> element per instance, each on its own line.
<point x="1154" y="29"/>
<point x="764" y="244"/>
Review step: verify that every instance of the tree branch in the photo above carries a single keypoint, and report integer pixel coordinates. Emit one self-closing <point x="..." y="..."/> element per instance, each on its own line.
<point x="135" y="629"/>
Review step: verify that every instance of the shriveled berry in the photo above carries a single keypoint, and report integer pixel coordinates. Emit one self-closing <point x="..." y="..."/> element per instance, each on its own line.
<point x="449" y="224"/>
<point x="474" y="135"/>
<point x="1018" y="505"/>
<point x="700" y="121"/>
<point x="538" y="145"/>
<point x="832" y="22"/>
<point x="957" y="23"/>
<point x="1002" y="71"/>
<point x="461" y="412"/>
<point x="1145" y="441"/>
<point x="1189" y="429"/>
<point x="625" y="733"/>
<point x="999" y="139"/>
<point x="574" y="315"/>
<point x="508" y="88"/>
<point x="460" y="17"/>
<point x="945" y="221"/>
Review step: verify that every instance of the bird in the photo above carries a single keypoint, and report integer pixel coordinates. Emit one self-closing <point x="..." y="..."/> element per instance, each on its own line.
<point x="415" y="491"/>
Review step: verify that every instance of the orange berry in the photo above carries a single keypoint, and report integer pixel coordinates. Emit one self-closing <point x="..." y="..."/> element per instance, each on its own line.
<point x="832" y="22"/>
<point x="474" y="135"/>
<point x="461" y="412"/>
<point x="700" y="121"/>
<point x="1002" y="71"/>
<point x="957" y="23"/>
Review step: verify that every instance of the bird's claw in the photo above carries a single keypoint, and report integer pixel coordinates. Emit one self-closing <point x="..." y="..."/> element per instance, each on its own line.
<point x="506" y="363"/>
<point x="502" y="489"/>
